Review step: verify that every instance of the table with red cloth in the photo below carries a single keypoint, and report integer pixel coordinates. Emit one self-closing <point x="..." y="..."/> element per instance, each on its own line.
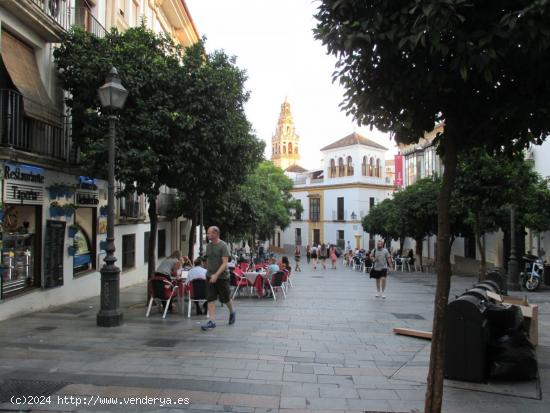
<point x="257" y="280"/>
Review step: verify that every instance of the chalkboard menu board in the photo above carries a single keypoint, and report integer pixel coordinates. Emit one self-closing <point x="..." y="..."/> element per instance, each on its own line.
<point x="54" y="248"/>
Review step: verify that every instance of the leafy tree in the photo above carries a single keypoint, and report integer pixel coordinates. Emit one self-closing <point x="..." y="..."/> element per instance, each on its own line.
<point x="220" y="149"/>
<point x="477" y="65"/>
<point x="386" y="220"/>
<point x="148" y="64"/>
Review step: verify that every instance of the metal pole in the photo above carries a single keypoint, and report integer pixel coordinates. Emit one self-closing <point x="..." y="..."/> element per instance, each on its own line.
<point x="201" y="228"/>
<point x="109" y="314"/>
<point x="513" y="265"/>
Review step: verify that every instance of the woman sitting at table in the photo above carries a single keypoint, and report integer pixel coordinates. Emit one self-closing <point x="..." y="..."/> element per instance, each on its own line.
<point x="272" y="268"/>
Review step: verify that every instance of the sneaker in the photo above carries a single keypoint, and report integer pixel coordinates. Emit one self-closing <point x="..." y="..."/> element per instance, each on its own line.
<point x="232" y="317"/>
<point x="208" y="326"/>
<point x="377" y="295"/>
<point x="383" y="295"/>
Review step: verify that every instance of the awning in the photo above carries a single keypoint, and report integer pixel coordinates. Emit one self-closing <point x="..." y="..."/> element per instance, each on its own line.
<point x="21" y="65"/>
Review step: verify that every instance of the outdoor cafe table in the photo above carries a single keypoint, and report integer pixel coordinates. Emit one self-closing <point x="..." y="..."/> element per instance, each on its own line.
<point x="256" y="279"/>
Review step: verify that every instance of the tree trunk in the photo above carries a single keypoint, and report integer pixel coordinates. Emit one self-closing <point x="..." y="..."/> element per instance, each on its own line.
<point x="192" y="236"/>
<point x="481" y="247"/>
<point x="418" y="249"/>
<point x="152" y="263"/>
<point x="401" y="245"/>
<point x="434" y="390"/>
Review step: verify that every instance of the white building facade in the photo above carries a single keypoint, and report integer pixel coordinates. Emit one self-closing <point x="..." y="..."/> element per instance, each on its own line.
<point x="337" y="197"/>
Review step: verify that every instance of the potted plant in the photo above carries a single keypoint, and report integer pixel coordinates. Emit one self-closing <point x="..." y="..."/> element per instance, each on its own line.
<point x="73" y="229"/>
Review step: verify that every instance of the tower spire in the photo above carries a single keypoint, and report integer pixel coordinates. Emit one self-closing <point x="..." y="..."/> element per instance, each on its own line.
<point x="285" y="141"/>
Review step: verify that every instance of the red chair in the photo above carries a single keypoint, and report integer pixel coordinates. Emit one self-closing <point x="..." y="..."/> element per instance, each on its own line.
<point x="244" y="266"/>
<point x="237" y="279"/>
<point x="162" y="291"/>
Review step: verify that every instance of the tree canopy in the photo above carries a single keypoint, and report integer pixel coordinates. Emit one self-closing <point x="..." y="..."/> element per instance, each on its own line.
<point x="476" y="65"/>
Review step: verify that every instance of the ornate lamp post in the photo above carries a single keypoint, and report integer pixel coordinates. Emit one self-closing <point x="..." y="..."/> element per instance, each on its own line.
<point x="112" y="96"/>
<point x="513" y="265"/>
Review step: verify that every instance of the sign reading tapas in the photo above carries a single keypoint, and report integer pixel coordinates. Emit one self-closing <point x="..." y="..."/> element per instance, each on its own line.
<point x="24" y="184"/>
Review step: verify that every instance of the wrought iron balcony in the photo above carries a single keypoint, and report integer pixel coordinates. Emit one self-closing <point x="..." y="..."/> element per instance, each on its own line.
<point x="19" y="131"/>
<point x="85" y="19"/>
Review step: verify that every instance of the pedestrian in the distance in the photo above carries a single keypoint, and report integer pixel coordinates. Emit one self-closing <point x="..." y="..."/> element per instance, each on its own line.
<point x="314" y="255"/>
<point x="323" y="254"/>
<point x="332" y="256"/>
<point x="297" y="256"/>
<point x="308" y="253"/>
<point x="381" y="258"/>
<point x="217" y="275"/>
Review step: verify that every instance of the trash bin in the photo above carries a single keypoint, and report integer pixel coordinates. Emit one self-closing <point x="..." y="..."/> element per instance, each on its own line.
<point x="466" y="356"/>
<point x="547" y="275"/>
<point x="499" y="276"/>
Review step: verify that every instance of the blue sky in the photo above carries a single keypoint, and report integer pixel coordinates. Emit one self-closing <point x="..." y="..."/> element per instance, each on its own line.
<point x="273" y="42"/>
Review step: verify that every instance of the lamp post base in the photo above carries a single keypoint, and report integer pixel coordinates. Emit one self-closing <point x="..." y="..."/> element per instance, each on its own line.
<point x="109" y="320"/>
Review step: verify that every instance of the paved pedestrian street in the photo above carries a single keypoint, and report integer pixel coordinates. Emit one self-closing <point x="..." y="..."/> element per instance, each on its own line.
<point x="328" y="347"/>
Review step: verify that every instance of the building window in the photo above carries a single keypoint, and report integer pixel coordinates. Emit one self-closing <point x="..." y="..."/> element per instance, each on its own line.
<point x="378" y="174"/>
<point x="340" y="167"/>
<point x="371" y="167"/>
<point x="332" y="172"/>
<point x="298" y="215"/>
<point x="146" y="237"/>
<point x="364" y="166"/>
<point x="371" y="203"/>
<point x="340" y="209"/>
<point x="161" y="243"/>
<point x="314" y="209"/>
<point x="316" y="236"/>
<point x="298" y="236"/>
<point x="128" y="251"/>
<point x="470" y="247"/>
<point x="349" y="166"/>
<point x="290" y="148"/>
<point x="340" y="242"/>
<point x="296" y="150"/>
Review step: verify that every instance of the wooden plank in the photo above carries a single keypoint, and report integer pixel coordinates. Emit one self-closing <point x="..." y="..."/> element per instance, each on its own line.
<point x="413" y="333"/>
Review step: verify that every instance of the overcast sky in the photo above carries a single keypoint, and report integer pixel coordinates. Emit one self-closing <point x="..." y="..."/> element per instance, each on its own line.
<point x="273" y="42"/>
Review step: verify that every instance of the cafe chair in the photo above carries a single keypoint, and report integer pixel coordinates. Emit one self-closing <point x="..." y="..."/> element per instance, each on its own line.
<point x="398" y="264"/>
<point x="162" y="291"/>
<point x="197" y="292"/>
<point x="277" y="283"/>
<point x="237" y="280"/>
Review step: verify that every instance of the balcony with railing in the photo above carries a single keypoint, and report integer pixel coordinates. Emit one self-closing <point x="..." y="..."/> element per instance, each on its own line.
<point x="50" y="138"/>
<point x="85" y="19"/>
<point x="49" y="18"/>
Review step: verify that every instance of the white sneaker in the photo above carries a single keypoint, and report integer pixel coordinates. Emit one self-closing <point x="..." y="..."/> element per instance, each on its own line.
<point x="383" y="295"/>
<point x="377" y="295"/>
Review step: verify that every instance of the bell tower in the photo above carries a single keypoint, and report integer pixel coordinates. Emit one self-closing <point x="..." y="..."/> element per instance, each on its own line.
<point x="285" y="142"/>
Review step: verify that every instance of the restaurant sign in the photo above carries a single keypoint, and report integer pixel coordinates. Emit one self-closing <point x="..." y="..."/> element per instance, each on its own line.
<point x="23" y="184"/>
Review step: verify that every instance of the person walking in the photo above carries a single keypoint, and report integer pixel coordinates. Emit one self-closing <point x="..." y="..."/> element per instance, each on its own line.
<point x="308" y="253"/>
<point x="314" y="255"/>
<point x="297" y="256"/>
<point x="323" y="254"/>
<point x="217" y="275"/>
<point x="381" y="258"/>
<point x="332" y="255"/>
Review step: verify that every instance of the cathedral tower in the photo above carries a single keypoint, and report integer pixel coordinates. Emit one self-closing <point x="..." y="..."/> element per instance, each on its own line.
<point x="285" y="142"/>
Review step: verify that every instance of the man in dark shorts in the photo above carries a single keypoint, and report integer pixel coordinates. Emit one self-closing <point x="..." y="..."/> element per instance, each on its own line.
<point x="217" y="275"/>
<point x="381" y="258"/>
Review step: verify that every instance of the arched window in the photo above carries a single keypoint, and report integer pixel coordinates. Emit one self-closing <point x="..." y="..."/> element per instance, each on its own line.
<point x="290" y="147"/>
<point x="378" y="171"/>
<point x="371" y="167"/>
<point x="340" y="167"/>
<point x="364" y="166"/>
<point x="332" y="172"/>
<point x="284" y="147"/>
<point x="296" y="150"/>
<point x="349" y="164"/>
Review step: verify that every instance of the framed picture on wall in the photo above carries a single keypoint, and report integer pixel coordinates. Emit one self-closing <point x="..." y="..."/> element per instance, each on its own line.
<point x="102" y="225"/>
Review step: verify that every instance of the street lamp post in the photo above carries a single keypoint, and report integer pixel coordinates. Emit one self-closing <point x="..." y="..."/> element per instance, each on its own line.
<point x="112" y="96"/>
<point x="513" y="265"/>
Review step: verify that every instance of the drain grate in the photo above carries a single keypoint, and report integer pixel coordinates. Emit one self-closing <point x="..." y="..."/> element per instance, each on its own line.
<point x="45" y="328"/>
<point x="161" y="343"/>
<point x="406" y="316"/>
<point x="12" y="387"/>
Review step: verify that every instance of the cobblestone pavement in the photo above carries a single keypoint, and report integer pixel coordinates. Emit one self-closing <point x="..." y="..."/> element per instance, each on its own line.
<point x="328" y="347"/>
